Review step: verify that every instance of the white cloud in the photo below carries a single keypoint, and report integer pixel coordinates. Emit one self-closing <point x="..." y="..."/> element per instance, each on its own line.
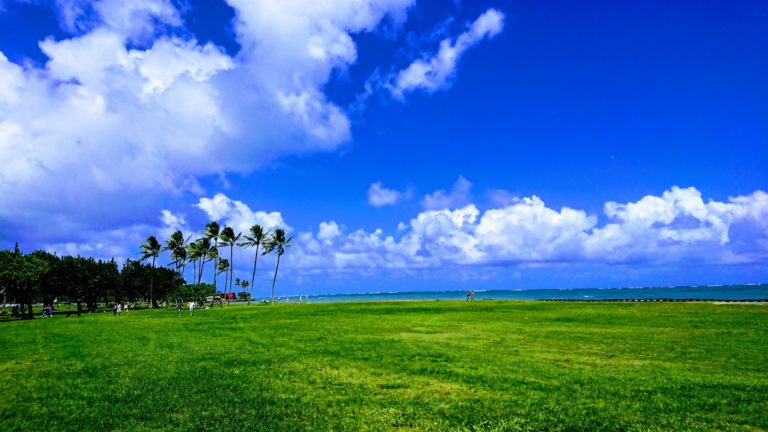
<point x="328" y="231"/>
<point x="130" y="117"/>
<point x="441" y="199"/>
<point x="676" y="227"/>
<point x="379" y="196"/>
<point x="530" y="231"/>
<point x="432" y="73"/>
<point x="239" y="215"/>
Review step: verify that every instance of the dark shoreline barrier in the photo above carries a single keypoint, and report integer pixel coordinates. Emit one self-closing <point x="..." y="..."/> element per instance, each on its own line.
<point x="660" y="300"/>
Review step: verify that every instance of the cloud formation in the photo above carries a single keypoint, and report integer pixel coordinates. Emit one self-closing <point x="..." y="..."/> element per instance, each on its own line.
<point x="133" y="109"/>
<point x="238" y="215"/>
<point x="379" y="196"/>
<point x="459" y="196"/>
<point x="433" y="72"/>
<point x="676" y="227"/>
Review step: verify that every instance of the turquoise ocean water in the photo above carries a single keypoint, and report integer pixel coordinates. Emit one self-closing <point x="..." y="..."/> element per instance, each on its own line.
<point x="720" y="292"/>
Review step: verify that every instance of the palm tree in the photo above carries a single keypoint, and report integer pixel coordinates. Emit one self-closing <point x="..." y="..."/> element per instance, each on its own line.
<point x="201" y="250"/>
<point x="194" y="253"/>
<point x="223" y="267"/>
<point x="179" y="256"/>
<point x="175" y="243"/>
<point x="210" y="253"/>
<point x="151" y="249"/>
<point x="277" y="243"/>
<point x="258" y="235"/>
<point x="211" y="232"/>
<point x="228" y="238"/>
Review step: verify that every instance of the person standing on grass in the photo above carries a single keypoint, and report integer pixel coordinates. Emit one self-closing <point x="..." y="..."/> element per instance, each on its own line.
<point x="119" y="309"/>
<point x="178" y="308"/>
<point x="191" y="307"/>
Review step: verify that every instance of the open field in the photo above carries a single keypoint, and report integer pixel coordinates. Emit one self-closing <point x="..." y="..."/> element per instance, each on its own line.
<point x="379" y="366"/>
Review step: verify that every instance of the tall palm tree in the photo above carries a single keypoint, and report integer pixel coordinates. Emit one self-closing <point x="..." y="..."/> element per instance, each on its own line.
<point x="210" y="253"/>
<point x="175" y="244"/>
<point x="223" y="267"/>
<point x="257" y="237"/>
<point x="179" y="256"/>
<point x="202" y="251"/>
<point x="211" y="232"/>
<point x="228" y="238"/>
<point x="194" y="254"/>
<point x="277" y="243"/>
<point x="151" y="249"/>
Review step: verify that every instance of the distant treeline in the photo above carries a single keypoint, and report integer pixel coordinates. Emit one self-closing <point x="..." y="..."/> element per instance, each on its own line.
<point x="43" y="277"/>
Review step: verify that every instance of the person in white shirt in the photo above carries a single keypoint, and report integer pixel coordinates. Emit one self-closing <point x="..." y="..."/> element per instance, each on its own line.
<point x="191" y="307"/>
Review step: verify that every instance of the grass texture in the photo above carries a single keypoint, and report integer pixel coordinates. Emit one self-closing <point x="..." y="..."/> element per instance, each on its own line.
<point x="488" y="365"/>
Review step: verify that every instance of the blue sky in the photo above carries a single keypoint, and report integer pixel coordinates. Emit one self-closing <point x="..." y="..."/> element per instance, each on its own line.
<point x="500" y="144"/>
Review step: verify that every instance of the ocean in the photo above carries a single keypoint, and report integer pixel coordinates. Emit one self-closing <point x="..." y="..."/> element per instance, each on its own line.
<point x="711" y="292"/>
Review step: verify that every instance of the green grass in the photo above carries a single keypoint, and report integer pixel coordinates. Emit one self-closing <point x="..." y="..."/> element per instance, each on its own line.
<point x="411" y="366"/>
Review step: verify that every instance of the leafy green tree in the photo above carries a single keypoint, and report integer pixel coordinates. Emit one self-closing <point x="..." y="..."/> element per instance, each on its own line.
<point x="151" y="249"/>
<point x="229" y="238"/>
<point x="277" y="243"/>
<point x="257" y="236"/>
<point x="134" y="278"/>
<point x="50" y="287"/>
<point x="22" y="278"/>
<point x="191" y="292"/>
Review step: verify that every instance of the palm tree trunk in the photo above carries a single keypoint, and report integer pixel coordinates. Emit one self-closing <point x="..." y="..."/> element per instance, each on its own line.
<point x="200" y="273"/>
<point x="231" y="267"/>
<point x="253" y="276"/>
<point x="152" y="284"/>
<point x="226" y="276"/>
<point x="275" y="278"/>
<point x="215" y="273"/>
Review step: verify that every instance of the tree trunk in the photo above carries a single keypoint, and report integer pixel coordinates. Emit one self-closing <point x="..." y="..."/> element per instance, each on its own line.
<point x="231" y="265"/>
<point x="200" y="270"/>
<point x="226" y="281"/>
<point x="216" y="272"/>
<point x="152" y="284"/>
<point x="275" y="278"/>
<point x="253" y="276"/>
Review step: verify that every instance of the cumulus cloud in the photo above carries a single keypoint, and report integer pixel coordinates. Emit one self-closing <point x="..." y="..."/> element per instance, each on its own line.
<point x="131" y="109"/>
<point x="441" y="199"/>
<point x="239" y="215"/>
<point x="676" y="227"/>
<point x="379" y="196"/>
<point x="433" y="72"/>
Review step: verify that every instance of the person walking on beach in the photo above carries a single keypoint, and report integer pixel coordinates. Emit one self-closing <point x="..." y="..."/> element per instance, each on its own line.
<point x="191" y="307"/>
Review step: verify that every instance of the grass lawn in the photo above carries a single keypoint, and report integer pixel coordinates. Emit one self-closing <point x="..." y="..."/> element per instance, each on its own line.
<point x="487" y="365"/>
